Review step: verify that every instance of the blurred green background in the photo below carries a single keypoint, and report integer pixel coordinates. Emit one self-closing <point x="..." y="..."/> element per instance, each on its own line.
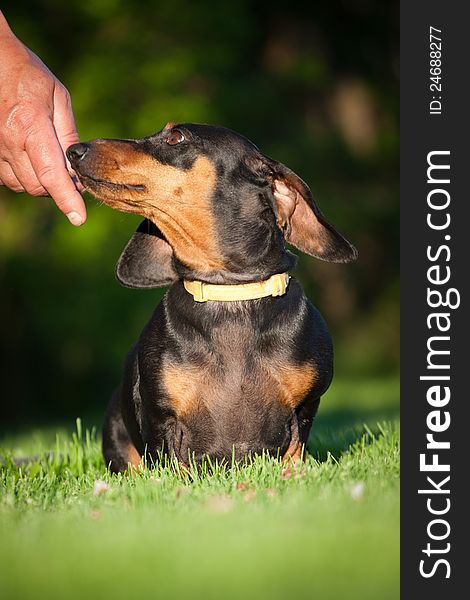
<point x="314" y="85"/>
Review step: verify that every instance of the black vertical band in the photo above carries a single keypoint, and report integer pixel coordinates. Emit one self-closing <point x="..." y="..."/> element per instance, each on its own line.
<point x="435" y="321"/>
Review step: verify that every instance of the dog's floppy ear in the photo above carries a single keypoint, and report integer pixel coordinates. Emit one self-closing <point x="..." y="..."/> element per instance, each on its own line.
<point x="298" y="216"/>
<point x="146" y="261"/>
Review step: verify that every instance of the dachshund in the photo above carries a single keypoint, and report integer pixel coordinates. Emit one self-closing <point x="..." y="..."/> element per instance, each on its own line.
<point x="234" y="358"/>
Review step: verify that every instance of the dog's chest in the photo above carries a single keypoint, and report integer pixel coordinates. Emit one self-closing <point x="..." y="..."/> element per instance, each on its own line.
<point x="237" y="369"/>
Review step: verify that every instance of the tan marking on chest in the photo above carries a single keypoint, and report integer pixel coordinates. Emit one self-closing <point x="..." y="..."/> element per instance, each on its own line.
<point x="184" y="386"/>
<point x="291" y="383"/>
<point x="218" y="379"/>
<point x="190" y="387"/>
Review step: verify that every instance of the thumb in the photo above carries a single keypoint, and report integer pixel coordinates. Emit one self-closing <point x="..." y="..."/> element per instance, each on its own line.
<point x="64" y="122"/>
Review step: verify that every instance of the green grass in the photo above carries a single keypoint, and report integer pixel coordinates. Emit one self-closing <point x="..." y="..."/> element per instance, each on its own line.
<point x="328" y="530"/>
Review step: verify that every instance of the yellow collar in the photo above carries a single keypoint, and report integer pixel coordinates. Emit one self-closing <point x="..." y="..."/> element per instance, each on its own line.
<point x="202" y="292"/>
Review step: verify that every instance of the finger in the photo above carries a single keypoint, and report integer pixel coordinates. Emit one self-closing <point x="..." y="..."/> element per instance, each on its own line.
<point x="48" y="162"/>
<point x="8" y="178"/>
<point x="76" y="181"/>
<point x="64" y="122"/>
<point x="64" y="125"/>
<point x="23" y="171"/>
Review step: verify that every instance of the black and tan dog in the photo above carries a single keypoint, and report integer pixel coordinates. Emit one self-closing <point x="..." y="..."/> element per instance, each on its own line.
<point x="235" y="358"/>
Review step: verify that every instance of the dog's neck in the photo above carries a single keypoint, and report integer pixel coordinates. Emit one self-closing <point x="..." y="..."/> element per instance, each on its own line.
<point x="276" y="260"/>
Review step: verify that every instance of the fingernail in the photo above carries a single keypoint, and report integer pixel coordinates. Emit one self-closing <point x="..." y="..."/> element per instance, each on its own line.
<point x="75" y="218"/>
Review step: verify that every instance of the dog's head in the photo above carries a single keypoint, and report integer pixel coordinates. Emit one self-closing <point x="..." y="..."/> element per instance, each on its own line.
<point x="214" y="205"/>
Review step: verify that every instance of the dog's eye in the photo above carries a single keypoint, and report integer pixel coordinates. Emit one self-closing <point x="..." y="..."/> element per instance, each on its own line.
<point x="175" y="137"/>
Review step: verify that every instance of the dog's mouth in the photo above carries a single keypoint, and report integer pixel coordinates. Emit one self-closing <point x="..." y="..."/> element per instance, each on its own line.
<point x="92" y="182"/>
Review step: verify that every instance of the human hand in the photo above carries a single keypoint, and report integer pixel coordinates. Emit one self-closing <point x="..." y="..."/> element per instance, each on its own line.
<point x="36" y="127"/>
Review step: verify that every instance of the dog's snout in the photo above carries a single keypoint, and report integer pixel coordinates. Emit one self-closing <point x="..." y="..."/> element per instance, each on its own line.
<point x="77" y="151"/>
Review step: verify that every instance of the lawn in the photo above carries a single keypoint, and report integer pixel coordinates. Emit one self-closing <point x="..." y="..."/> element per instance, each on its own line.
<point x="327" y="530"/>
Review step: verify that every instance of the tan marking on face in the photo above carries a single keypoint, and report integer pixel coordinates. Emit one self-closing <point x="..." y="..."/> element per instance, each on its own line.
<point x="177" y="201"/>
<point x="291" y="382"/>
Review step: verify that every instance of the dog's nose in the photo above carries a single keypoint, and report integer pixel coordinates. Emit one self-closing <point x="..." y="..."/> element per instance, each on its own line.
<point x="77" y="151"/>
